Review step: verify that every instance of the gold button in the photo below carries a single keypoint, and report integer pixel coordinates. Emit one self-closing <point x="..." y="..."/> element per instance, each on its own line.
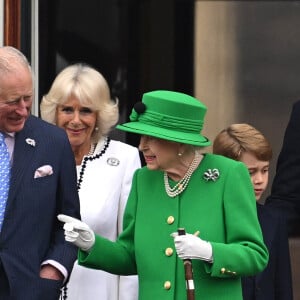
<point x="167" y="285"/>
<point x="223" y="270"/>
<point x="170" y="220"/>
<point x="169" y="251"/>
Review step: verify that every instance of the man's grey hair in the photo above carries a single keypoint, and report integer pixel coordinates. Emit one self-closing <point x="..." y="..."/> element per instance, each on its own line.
<point x="11" y="58"/>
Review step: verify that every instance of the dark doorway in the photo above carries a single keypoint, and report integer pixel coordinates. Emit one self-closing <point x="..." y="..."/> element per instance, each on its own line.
<point x="137" y="45"/>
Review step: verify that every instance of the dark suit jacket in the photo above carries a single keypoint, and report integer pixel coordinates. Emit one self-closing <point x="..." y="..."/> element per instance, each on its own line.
<point x="285" y="192"/>
<point x="31" y="232"/>
<point x="275" y="282"/>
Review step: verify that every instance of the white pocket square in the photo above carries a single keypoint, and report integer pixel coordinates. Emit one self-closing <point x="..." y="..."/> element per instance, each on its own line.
<point x="43" y="171"/>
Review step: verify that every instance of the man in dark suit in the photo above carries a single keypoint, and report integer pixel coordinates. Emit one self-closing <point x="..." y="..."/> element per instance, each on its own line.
<point x="35" y="260"/>
<point x="275" y="282"/>
<point x="285" y="192"/>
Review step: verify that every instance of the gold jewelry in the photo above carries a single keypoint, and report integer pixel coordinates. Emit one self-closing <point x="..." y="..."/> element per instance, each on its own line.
<point x="182" y="184"/>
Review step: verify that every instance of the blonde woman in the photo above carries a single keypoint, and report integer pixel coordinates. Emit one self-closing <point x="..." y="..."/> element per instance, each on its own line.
<point x="79" y="101"/>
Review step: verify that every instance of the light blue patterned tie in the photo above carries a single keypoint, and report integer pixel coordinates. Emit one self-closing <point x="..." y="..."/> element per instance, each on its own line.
<point x="4" y="177"/>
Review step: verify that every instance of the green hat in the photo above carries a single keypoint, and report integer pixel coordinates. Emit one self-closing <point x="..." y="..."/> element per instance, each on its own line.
<point x="170" y="116"/>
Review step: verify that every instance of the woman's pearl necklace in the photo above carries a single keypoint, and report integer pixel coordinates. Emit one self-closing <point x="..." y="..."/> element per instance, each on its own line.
<point x="92" y="149"/>
<point x="182" y="184"/>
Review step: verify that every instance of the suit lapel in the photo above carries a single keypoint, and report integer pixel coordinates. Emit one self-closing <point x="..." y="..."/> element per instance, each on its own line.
<point x="22" y="158"/>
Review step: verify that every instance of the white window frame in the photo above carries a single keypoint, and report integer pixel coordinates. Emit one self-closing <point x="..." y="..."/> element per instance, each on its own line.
<point x="35" y="53"/>
<point x="34" y="47"/>
<point x="1" y="22"/>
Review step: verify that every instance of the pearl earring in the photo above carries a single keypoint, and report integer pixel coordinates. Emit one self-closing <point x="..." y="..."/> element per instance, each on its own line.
<point x="96" y="128"/>
<point x="179" y="154"/>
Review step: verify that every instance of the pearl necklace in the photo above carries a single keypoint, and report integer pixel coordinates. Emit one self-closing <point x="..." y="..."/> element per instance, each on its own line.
<point x="182" y="184"/>
<point x="92" y="149"/>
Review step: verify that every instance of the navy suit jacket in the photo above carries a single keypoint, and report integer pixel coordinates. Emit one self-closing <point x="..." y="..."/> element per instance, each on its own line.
<point x="285" y="192"/>
<point x="31" y="233"/>
<point x="275" y="282"/>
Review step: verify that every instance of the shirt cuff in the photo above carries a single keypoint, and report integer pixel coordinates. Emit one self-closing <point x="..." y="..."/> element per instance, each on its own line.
<point x="58" y="266"/>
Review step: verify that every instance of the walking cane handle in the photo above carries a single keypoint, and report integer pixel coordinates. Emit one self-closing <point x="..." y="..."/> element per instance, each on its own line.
<point x="189" y="281"/>
<point x="181" y="231"/>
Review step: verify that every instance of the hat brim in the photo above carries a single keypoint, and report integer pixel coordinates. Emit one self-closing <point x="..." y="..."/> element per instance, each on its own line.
<point x="165" y="134"/>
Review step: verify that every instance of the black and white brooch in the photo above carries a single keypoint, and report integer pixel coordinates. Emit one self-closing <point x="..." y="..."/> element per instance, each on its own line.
<point x="211" y="175"/>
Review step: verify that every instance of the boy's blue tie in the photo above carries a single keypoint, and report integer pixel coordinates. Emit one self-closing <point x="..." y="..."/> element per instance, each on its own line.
<point x="4" y="177"/>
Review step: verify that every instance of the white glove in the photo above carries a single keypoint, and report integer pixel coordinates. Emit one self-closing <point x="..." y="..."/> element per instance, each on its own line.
<point x="190" y="246"/>
<point x="78" y="232"/>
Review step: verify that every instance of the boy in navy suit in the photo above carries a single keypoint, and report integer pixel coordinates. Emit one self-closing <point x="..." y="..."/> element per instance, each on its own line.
<point x="244" y="143"/>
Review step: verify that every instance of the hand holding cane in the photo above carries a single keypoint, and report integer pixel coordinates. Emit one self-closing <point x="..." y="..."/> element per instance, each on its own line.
<point x="188" y="269"/>
<point x="190" y="246"/>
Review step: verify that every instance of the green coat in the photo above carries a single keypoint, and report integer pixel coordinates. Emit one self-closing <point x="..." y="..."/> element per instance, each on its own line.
<point x="224" y="211"/>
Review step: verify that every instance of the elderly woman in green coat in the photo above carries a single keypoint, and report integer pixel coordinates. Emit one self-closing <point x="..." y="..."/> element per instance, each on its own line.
<point x="210" y="196"/>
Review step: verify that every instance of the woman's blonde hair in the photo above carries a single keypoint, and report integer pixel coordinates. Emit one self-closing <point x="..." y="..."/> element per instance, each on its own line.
<point x="238" y="138"/>
<point x="90" y="88"/>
